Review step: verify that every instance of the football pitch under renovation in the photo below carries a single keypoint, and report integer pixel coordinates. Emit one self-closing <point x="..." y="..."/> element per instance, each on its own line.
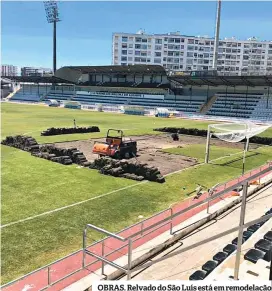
<point x="46" y="205"/>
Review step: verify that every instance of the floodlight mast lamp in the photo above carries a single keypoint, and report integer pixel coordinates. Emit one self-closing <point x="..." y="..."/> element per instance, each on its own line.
<point x="216" y="38"/>
<point x="52" y="15"/>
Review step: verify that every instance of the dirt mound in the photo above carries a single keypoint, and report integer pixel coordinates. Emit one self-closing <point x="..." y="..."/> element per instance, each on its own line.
<point x="203" y="132"/>
<point x="123" y="168"/>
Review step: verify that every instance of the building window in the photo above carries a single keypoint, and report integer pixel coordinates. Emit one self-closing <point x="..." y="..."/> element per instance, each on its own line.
<point x="130" y="58"/>
<point x="137" y="46"/>
<point x="124" y="52"/>
<point x="191" y="41"/>
<point x="123" y="58"/>
<point x="138" y="39"/>
<point x="124" y="45"/>
<point x="158" y="47"/>
<point x="157" y="54"/>
<point x="130" y="45"/>
<point x="158" y="41"/>
<point x="124" y="39"/>
<point x="157" y="61"/>
<point x="190" y="48"/>
<point x="144" y="39"/>
<point x="177" y="40"/>
<point x="190" y="55"/>
<point x="137" y="53"/>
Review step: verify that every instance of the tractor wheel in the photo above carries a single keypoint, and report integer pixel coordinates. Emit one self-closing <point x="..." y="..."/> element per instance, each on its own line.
<point x="127" y="155"/>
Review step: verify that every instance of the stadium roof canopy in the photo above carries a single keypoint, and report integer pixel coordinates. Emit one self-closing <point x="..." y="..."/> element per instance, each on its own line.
<point x="231" y="81"/>
<point x="38" y="79"/>
<point x="127" y="69"/>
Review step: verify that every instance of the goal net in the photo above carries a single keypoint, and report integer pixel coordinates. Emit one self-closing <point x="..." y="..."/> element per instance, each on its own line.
<point x="233" y="132"/>
<point x="236" y="132"/>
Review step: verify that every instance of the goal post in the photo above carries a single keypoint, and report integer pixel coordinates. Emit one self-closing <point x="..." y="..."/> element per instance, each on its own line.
<point x="233" y="132"/>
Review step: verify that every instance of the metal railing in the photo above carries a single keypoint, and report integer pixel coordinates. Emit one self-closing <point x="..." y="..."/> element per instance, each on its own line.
<point x="141" y="231"/>
<point x="168" y="220"/>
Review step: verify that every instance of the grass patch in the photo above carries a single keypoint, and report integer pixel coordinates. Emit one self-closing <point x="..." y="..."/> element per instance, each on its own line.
<point x="50" y="237"/>
<point x="31" y="186"/>
<point x="32" y="120"/>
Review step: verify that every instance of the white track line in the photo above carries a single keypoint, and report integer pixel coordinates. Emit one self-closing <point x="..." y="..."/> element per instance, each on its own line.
<point x="71" y="205"/>
<point x="102" y="195"/>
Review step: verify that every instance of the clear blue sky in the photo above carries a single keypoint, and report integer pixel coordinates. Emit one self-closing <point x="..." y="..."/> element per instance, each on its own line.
<point x="85" y="32"/>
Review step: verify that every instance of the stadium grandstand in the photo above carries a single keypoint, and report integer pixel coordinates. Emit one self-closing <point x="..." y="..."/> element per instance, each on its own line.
<point x="150" y="86"/>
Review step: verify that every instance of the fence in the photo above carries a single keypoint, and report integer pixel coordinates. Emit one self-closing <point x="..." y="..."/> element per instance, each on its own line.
<point x="91" y="258"/>
<point x="105" y="108"/>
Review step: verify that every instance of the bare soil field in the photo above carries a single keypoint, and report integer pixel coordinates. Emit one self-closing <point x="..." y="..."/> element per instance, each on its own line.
<point x="149" y="150"/>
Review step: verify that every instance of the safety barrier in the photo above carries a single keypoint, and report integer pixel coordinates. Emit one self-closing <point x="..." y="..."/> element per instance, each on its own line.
<point x="91" y="258"/>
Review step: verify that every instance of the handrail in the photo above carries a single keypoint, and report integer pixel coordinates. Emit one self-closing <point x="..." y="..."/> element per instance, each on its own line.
<point x="105" y="232"/>
<point x="166" y="220"/>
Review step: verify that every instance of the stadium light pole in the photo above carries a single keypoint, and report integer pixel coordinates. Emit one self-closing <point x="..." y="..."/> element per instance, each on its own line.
<point x="52" y="15"/>
<point x="216" y="38"/>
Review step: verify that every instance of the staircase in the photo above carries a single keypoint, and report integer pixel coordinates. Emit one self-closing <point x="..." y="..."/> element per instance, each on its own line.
<point x="205" y="107"/>
<point x="13" y="93"/>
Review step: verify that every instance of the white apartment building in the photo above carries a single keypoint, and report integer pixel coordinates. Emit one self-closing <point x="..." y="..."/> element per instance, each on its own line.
<point x="178" y="52"/>
<point x="9" y="70"/>
<point x="32" y="71"/>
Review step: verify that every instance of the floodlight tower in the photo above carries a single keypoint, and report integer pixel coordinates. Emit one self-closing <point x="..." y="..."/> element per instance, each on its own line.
<point x="52" y="15"/>
<point x="216" y="38"/>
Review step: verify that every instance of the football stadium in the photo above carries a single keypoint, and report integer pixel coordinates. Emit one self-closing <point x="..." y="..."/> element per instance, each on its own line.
<point x="135" y="172"/>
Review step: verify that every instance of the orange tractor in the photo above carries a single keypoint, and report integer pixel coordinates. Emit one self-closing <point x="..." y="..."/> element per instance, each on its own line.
<point x="115" y="146"/>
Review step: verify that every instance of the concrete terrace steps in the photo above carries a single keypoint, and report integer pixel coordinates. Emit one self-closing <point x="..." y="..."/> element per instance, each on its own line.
<point x="206" y="107"/>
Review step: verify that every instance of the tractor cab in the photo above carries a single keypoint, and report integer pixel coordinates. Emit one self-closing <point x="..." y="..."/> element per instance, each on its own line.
<point x="114" y="139"/>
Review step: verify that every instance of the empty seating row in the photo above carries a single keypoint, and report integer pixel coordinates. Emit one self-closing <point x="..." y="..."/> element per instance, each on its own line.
<point x="228" y="114"/>
<point x="232" y="105"/>
<point x="263" y="110"/>
<point x="262" y="250"/>
<point x="21" y="97"/>
<point x="240" y="94"/>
